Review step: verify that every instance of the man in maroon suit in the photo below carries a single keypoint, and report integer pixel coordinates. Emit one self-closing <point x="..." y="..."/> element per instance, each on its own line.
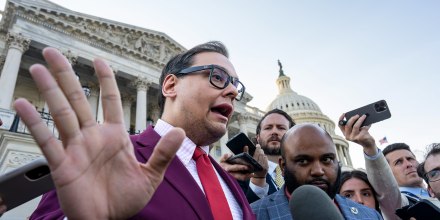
<point x="95" y="170"/>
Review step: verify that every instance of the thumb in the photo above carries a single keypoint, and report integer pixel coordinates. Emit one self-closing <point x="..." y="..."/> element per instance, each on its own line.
<point x="163" y="154"/>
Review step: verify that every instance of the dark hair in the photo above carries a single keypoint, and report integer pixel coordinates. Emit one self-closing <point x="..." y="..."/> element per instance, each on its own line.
<point x="275" y="111"/>
<point x="360" y="175"/>
<point x="434" y="149"/>
<point x="184" y="60"/>
<point x="396" y="146"/>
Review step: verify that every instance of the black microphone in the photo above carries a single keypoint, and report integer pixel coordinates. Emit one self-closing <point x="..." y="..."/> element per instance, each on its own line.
<point x="312" y="203"/>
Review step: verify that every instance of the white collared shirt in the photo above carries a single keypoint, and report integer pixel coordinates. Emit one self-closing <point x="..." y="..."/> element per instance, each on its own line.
<point x="185" y="154"/>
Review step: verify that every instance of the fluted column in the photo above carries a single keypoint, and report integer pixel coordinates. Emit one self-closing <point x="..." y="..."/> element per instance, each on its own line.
<point x="127" y="101"/>
<point x="141" y="103"/>
<point x="347" y="156"/>
<point x="223" y="140"/>
<point x="242" y="122"/>
<point x="94" y="99"/>
<point x="341" y="155"/>
<point x="17" y="46"/>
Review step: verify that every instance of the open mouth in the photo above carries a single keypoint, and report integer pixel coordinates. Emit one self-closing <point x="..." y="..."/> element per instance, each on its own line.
<point x="223" y="109"/>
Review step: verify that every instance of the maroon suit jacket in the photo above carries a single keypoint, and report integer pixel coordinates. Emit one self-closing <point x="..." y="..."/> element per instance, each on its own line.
<point x="178" y="196"/>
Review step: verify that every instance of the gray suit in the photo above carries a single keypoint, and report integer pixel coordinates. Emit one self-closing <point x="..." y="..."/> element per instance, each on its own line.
<point x="276" y="207"/>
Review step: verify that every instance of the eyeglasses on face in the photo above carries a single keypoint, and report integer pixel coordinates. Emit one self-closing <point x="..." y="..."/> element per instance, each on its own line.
<point x="218" y="77"/>
<point x="433" y="175"/>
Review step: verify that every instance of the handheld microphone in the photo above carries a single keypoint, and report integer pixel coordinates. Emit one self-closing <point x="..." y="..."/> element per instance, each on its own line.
<point x="312" y="203"/>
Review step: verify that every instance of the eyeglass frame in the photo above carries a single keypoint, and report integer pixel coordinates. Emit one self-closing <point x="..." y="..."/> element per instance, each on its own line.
<point x="434" y="170"/>
<point x="211" y="67"/>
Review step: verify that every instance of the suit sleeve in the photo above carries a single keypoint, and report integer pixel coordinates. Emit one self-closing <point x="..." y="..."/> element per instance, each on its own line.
<point x="48" y="208"/>
<point x="382" y="179"/>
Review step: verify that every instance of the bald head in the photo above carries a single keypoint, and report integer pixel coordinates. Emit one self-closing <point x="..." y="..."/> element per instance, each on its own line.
<point x="309" y="158"/>
<point x="305" y="132"/>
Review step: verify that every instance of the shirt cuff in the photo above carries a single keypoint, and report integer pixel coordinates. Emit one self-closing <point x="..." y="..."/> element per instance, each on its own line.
<point x="258" y="190"/>
<point x="374" y="157"/>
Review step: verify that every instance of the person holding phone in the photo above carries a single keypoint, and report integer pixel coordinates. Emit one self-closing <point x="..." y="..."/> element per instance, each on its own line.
<point x="100" y="172"/>
<point x="270" y="129"/>
<point x="378" y="170"/>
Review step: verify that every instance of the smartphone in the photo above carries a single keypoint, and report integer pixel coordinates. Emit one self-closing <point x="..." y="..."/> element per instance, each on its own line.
<point x="236" y="144"/>
<point x="423" y="209"/>
<point x="375" y="112"/>
<point x="25" y="183"/>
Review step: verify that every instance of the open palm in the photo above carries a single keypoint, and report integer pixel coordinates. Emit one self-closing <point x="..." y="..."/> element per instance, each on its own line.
<point x="93" y="166"/>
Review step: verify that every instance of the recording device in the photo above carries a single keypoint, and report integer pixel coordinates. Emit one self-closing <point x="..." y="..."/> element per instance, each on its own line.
<point x="312" y="203"/>
<point x="25" y="183"/>
<point x="375" y="112"/>
<point x="236" y="144"/>
<point x="422" y="210"/>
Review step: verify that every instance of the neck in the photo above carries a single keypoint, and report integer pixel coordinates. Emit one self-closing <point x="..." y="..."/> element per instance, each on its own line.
<point x="273" y="158"/>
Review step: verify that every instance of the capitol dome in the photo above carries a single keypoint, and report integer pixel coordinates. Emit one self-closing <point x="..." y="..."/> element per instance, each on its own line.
<point x="304" y="110"/>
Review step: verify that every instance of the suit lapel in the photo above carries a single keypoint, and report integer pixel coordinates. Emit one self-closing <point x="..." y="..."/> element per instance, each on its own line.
<point x="235" y="189"/>
<point x="176" y="175"/>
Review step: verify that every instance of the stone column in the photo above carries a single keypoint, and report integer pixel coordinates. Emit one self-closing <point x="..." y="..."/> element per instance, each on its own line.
<point x="223" y="140"/>
<point x="347" y="156"/>
<point x="127" y="101"/>
<point x="99" y="112"/>
<point x="242" y="122"/>
<point x="94" y="99"/>
<point x="17" y="46"/>
<point x="141" y="103"/>
<point x="341" y="155"/>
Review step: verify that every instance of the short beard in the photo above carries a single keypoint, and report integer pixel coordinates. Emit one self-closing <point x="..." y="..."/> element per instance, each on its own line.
<point x="291" y="182"/>
<point x="274" y="151"/>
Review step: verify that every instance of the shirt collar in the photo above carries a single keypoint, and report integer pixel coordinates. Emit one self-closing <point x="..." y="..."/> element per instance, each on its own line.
<point x="186" y="149"/>
<point x="272" y="166"/>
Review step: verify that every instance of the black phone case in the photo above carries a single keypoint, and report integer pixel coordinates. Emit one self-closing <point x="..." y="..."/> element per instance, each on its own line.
<point x="422" y="210"/>
<point x="237" y="143"/>
<point x="245" y="159"/>
<point x="377" y="111"/>
<point x="25" y="183"/>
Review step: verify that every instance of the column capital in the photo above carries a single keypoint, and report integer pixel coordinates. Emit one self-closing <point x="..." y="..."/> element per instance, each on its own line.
<point x="141" y="83"/>
<point x="71" y="57"/>
<point x="242" y="118"/>
<point x="18" y="41"/>
<point x="127" y="98"/>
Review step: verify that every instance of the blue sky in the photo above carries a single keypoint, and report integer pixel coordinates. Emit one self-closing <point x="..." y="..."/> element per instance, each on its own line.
<point x="342" y="54"/>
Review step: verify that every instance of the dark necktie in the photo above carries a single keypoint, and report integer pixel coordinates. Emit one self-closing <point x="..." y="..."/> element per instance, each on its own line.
<point x="211" y="185"/>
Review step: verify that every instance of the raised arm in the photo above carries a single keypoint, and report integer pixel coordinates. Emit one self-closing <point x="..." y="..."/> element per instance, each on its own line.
<point x="93" y="166"/>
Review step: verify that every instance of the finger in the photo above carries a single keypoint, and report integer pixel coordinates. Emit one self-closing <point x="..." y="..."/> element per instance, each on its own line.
<point x="50" y="146"/>
<point x="70" y="85"/>
<point x="237" y="168"/>
<point x="246" y="149"/>
<point x="358" y="124"/>
<point x="60" y="109"/>
<point x="111" y="98"/>
<point x="349" y="125"/>
<point x="225" y="157"/>
<point x="163" y="154"/>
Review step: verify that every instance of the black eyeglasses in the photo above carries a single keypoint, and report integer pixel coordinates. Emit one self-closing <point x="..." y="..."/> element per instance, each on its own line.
<point x="218" y="77"/>
<point x="433" y="175"/>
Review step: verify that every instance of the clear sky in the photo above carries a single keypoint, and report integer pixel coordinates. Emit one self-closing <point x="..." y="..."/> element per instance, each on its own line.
<point x="342" y="54"/>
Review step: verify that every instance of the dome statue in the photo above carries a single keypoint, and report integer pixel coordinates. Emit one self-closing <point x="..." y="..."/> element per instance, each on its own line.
<point x="304" y="110"/>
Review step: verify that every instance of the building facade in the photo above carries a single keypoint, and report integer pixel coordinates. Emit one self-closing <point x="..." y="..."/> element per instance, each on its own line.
<point x="136" y="55"/>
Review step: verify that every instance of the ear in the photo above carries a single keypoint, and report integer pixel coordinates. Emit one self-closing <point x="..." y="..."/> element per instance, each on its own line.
<point x="431" y="193"/>
<point x="258" y="138"/>
<point x="169" y="86"/>
<point x="282" y="164"/>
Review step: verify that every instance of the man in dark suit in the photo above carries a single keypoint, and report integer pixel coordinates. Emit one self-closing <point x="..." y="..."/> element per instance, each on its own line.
<point x="95" y="170"/>
<point x="308" y="156"/>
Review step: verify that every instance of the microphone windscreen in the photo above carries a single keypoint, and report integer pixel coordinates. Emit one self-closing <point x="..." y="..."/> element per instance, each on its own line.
<point x="312" y="203"/>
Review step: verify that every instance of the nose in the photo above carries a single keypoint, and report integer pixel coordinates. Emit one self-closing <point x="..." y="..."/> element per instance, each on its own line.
<point x="230" y="91"/>
<point x="317" y="169"/>
<point x="358" y="198"/>
<point x="408" y="163"/>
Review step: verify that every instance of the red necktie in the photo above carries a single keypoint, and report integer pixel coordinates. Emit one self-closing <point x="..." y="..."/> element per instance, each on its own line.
<point x="211" y="185"/>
